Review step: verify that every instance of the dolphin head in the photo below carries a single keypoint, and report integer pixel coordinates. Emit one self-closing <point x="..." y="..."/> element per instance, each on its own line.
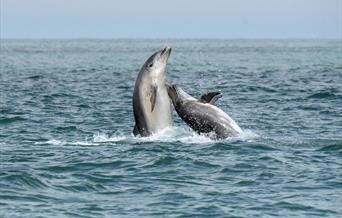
<point x="172" y="91"/>
<point x="156" y="64"/>
<point x="178" y="95"/>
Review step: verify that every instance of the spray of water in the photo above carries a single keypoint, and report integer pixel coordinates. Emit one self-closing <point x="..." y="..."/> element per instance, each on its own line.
<point x="168" y="135"/>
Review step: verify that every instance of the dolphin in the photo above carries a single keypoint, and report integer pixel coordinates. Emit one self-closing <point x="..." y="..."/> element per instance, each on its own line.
<point x="151" y="103"/>
<point x="202" y="115"/>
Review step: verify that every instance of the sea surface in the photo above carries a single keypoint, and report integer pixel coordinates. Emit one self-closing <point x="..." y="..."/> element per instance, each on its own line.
<point x="67" y="149"/>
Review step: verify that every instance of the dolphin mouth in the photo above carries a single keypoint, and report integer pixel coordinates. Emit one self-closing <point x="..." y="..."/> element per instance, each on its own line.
<point x="166" y="51"/>
<point x="171" y="88"/>
<point x="172" y="92"/>
<point x="168" y="88"/>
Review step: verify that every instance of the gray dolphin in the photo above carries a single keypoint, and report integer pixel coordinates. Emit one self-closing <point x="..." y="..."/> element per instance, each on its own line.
<point x="151" y="102"/>
<point x="201" y="115"/>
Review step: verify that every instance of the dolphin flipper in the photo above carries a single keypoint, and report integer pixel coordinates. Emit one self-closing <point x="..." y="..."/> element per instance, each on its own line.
<point x="153" y="97"/>
<point x="210" y="97"/>
<point x="135" y="130"/>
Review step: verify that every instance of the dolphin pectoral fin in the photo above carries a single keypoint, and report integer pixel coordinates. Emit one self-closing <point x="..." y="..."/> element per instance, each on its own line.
<point x="153" y="97"/>
<point x="210" y="97"/>
<point x="135" y="130"/>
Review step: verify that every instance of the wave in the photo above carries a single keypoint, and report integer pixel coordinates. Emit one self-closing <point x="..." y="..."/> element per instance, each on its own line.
<point x="168" y="135"/>
<point x="324" y="95"/>
<point x="60" y="142"/>
<point x="35" y="77"/>
<point x="24" y="179"/>
<point x="8" y="120"/>
<point x="337" y="146"/>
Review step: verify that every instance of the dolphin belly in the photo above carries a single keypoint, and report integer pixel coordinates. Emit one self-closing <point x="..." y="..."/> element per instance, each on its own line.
<point x="150" y="121"/>
<point x="160" y="117"/>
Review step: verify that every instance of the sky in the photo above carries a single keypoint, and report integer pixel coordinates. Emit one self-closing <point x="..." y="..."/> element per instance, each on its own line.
<point x="171" y="19"/>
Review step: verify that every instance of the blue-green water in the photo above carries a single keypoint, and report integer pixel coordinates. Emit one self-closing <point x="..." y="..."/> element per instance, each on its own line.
<point x="66" y="120"/>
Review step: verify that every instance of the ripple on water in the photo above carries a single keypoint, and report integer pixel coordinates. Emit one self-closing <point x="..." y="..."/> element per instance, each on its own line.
<point x="324" y="95"/>
<point x="24" y="179"/>
<point x="9" y="120"/>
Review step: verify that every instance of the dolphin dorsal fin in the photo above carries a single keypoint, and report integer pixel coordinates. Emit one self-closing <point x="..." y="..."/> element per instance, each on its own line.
<point x="210" y="97"/>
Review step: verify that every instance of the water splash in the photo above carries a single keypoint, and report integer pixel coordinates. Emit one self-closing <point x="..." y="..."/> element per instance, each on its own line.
<point x="167" y="135"/>
<point x="60" y="142"/>
<point x="172" y="134"/>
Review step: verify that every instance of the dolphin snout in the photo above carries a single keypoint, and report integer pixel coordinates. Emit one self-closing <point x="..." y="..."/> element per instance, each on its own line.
<point x="171" y="88"/>
<point x="166" y="50"/>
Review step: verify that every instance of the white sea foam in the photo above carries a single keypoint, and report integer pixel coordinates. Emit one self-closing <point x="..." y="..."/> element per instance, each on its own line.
<point x="55" y="142"/>
<point x="59" y="142"/>
<point x="84" y="143"/>
<point x="103" y="137"/>
<point x="177" y="134"/>
<point x="172" y="134"/>
<point x="247" y="135"/>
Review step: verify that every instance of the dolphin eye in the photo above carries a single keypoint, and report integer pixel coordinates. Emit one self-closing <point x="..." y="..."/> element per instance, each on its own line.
<point x="150" y="65"/>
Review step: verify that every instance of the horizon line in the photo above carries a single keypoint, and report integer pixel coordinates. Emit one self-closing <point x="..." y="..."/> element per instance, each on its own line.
<point x="170" y="38"/>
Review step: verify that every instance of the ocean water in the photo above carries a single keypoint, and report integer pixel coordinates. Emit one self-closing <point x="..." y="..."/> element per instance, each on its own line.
<point x="67" y="150"/>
